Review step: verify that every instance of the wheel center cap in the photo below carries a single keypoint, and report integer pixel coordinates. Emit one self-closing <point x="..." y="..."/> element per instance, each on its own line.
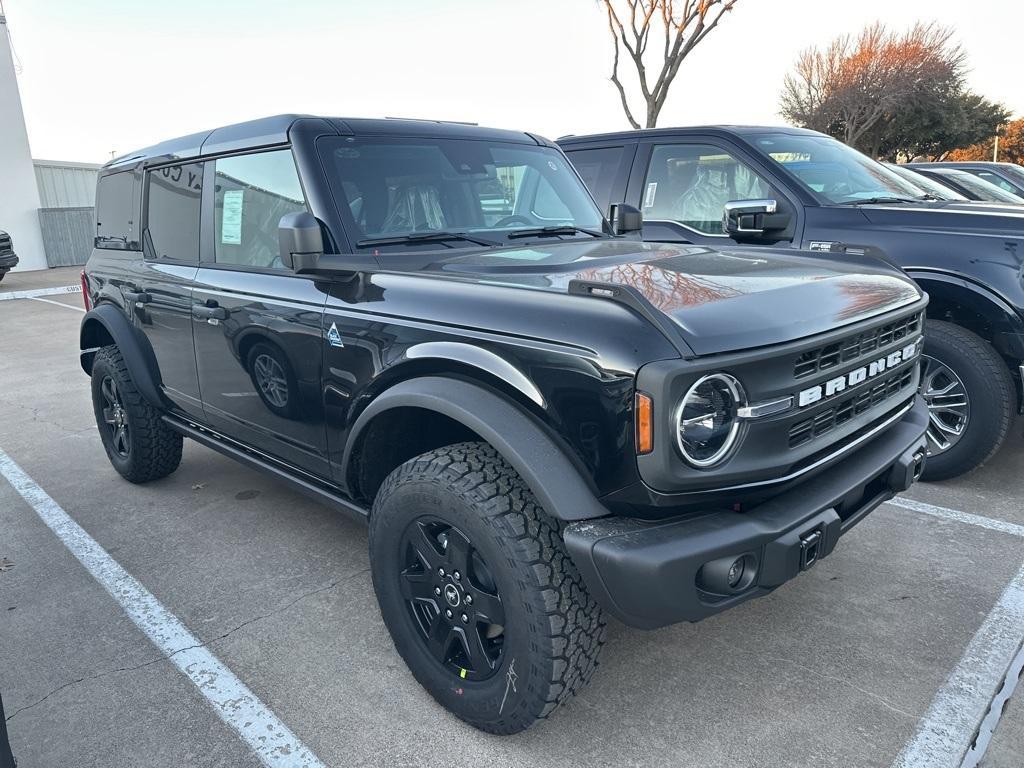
<point x="452" y="596"/>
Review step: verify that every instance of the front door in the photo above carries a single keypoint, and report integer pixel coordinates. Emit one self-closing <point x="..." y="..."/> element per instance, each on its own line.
<point x="686" y="187"/>
<point x="258" y="338"/>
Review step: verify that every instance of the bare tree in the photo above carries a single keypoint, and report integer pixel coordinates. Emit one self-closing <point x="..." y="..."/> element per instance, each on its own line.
<point x="680" y="27"/>
<point x="855" y="86"/>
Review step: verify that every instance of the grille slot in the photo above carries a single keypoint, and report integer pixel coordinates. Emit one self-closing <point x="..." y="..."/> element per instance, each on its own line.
<point x="846" y="350"/>
<point x="5" y="243"/>
<point x="808" y="429"/>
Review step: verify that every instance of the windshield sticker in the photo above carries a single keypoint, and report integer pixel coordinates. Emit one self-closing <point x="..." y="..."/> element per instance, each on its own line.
<point x="652" y="190"/>
<point x="231" y="220"/>
<point x="552" y="165"/>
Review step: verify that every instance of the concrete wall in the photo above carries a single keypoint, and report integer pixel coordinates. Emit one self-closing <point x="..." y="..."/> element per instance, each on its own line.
<point x="19" y="195"/>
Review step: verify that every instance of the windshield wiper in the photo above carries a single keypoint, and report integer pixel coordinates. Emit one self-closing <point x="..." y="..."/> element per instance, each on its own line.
<point x="428" y="237"/>
<point x="553" y="232"/>
<point x="874" y="200"/>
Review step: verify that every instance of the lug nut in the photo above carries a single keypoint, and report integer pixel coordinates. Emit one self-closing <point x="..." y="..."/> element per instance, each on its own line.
<point x="469" y="599"/>
<point x="448" y="613"/>
<point x="440" y="572"/>
<point x="465" y="619"/>
<point x="437" y="591"/>
<point x="457" y="575"/>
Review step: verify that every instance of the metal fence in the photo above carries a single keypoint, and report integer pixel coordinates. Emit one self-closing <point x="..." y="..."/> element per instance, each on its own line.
<point x="67" y="234"/>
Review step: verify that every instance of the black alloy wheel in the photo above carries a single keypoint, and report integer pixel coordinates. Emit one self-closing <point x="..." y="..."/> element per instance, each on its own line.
<point x="452" y="598"/>
<point x="115" y="418"/>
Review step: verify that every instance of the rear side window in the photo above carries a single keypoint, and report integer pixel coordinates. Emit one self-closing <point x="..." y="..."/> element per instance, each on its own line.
<point x="253" y="192"/>
<point x="599" y="168"/>
<point x="115" y="211"/>
<point x="173" y="195"/>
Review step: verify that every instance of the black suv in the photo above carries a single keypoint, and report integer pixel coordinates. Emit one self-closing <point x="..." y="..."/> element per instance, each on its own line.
<point x="433" y="328"/>
<point x="8" y="259"/>
<point x="725" y="185"/>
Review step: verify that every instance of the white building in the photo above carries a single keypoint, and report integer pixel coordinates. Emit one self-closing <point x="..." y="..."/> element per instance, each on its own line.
<point x="19" y="195"/>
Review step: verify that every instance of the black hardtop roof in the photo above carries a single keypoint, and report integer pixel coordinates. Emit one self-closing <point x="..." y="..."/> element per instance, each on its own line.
<point x="268" y="131"/>
<point x="689" y="130"/>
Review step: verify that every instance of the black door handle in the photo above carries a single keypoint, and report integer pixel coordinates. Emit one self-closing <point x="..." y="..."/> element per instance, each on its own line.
<point x="140" y="297"/>
<point x="211" y="311"/>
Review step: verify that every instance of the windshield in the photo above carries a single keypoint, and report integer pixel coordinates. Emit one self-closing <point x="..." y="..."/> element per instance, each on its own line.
<point x="930" y="186"/>
<point x="1015" y="172"/>
<point x="426" y="193"/>
<point x="832" y="171"/>
<point x="981" y="189"/>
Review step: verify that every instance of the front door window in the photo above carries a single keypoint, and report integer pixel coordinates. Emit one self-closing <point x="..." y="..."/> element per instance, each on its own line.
<point x="691" y="183"/>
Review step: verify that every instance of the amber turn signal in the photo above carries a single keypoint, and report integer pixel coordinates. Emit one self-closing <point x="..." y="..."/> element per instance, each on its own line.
<point x="644" y="423"/>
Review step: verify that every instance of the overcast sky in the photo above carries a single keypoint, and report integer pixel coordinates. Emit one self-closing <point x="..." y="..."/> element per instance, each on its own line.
<point x="113" y="75"/>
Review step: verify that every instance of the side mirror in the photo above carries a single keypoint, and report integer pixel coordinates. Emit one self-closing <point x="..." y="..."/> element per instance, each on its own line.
<point x="752" y="217"/>
<point x="625" y="219"/>
<point x="300" y="239"/>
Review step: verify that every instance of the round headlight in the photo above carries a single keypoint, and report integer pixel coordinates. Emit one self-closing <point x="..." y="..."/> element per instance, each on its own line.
<point x="708" y="420"/>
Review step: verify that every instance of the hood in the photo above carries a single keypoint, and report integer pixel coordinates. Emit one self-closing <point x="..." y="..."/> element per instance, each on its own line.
<point x="719" y="300"/>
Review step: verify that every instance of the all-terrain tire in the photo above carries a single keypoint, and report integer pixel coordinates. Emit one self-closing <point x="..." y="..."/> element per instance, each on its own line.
<point x="991" y="397"/>
<point x="553" y="629"/>
<point x="153" y="448"/>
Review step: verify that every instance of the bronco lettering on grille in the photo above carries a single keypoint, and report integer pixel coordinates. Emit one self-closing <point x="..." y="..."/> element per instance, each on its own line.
<point x="834" y="386"/>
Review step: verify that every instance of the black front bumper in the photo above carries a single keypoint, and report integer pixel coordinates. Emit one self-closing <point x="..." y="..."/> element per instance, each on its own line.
<point x="648" y="575"/>
<point x="8" y="261"/>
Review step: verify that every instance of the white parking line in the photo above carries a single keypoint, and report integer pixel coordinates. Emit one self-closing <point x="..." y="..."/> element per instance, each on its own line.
<point x="31" y="294"/>
<point x="60" y="304"/>
<point x="948" y="728"/>
<point x="269" y="738"/>
<point x="960" y="517"/>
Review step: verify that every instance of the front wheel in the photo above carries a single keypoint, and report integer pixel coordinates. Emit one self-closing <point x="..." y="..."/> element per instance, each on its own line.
<point x="474" y="583"/>
<point x="970" y="397"/>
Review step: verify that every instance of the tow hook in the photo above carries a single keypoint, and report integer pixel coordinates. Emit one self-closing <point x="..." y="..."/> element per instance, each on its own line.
<point x="810" y="544"/>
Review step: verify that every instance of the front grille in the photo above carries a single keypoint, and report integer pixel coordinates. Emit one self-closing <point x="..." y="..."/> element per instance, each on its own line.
<point x="853" y="347"/>
<point x="5" y="243"/>
<point x="804" y="431"/>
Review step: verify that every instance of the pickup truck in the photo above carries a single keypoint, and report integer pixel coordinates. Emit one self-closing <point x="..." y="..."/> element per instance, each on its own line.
<point x="721" y="186"/>
<point x="543" y="420"/>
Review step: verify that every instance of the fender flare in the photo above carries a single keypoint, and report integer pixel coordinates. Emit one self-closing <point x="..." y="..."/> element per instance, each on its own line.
<point x="1010" y="339"/>
<point x="130" y="342"/>
<point x="555" y="478"/>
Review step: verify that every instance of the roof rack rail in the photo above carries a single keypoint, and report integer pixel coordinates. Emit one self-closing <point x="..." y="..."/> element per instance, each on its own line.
<point x="429" y="120"/>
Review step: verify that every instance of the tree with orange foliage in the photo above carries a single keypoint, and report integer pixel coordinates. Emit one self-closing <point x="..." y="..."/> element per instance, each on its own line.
<point x="681" y="27"/>
<point x="1011" y="146"/>
<point x="889" y="93"/>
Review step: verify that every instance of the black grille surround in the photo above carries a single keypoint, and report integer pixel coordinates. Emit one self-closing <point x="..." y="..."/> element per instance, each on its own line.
<point x="856" y="346"/>
<point x="5" y="243"/>
<point x="776" y="449"/>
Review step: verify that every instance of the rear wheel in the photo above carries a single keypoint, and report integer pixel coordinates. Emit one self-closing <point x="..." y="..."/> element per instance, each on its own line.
<point x="474" y="583"/>
<point x="970" y="397"/>
<point x="140" y="446"/>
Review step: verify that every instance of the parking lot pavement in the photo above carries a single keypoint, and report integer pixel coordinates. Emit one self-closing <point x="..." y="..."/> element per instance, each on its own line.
<point x="39" y="278"/>
<point x="837" y="668"/>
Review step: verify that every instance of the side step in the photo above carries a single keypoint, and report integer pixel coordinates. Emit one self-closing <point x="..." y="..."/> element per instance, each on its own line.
<point x="265" y="464"/>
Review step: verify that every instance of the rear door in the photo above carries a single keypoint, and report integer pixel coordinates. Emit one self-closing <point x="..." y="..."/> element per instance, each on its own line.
<point x="258" y="338"/>
<point x="160" y="291"/>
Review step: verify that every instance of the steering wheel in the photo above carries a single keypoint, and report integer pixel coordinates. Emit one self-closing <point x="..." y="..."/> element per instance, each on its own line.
<point x="513" y="219"/>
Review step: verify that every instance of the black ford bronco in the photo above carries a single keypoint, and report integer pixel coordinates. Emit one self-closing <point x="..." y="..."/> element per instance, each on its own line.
<point x="799" y="189"/>
<point x="543" y="419"/>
